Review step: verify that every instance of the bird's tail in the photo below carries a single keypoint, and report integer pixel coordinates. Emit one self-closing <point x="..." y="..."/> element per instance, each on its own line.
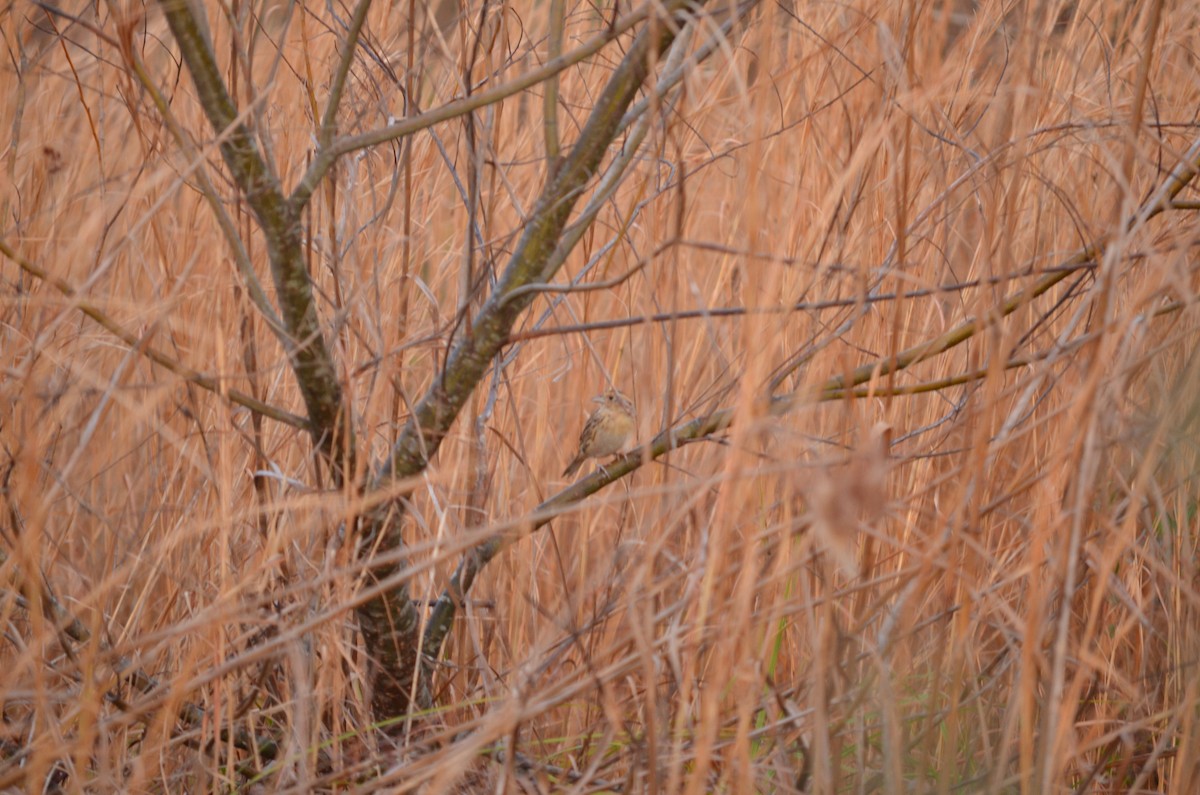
<point x="573" y="467"/>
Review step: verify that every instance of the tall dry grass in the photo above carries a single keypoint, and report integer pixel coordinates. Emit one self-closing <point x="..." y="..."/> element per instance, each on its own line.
<point x="988" y="586"/>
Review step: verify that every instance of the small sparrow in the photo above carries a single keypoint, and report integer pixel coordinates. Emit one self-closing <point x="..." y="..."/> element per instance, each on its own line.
<point x="606" y="430"/>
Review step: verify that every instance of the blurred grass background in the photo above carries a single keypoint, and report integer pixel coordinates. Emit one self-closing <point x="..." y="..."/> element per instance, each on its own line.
<point x="989" y="587"/>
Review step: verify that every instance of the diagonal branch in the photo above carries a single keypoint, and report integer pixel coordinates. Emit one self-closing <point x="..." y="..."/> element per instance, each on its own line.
<point x="140" y="344"/>
<point x="438" y="409"/>
<point x="836" y="388"/>
<point x="327" y="156"/>
<point x="329" y="119"/>
<point x="1093" y="253"/>
<point x="280" y="222"/>
<point x="241" y="257"/>
<point x="390" y="623"/>
<point x="550" y="90"/>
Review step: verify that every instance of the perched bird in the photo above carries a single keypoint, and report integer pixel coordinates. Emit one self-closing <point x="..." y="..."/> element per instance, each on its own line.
<point x="606" y="430"/>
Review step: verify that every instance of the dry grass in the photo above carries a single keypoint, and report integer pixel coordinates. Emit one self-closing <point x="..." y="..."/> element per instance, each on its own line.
<point x="1003" y="600"/>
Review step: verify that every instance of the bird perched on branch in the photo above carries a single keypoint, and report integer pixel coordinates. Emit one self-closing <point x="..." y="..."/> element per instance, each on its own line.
<point x="606" y="430"/>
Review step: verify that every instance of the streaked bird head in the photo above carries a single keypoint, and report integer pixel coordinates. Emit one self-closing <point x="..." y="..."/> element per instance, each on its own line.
<point x="615" y="399"/>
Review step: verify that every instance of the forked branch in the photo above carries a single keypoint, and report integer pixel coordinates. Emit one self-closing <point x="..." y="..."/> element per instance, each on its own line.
<point x="390" y="623"/>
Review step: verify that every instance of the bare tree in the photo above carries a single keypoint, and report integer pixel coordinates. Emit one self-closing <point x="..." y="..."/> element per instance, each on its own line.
<point x="389" y="622"/>
<point x="640" y="63"/>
